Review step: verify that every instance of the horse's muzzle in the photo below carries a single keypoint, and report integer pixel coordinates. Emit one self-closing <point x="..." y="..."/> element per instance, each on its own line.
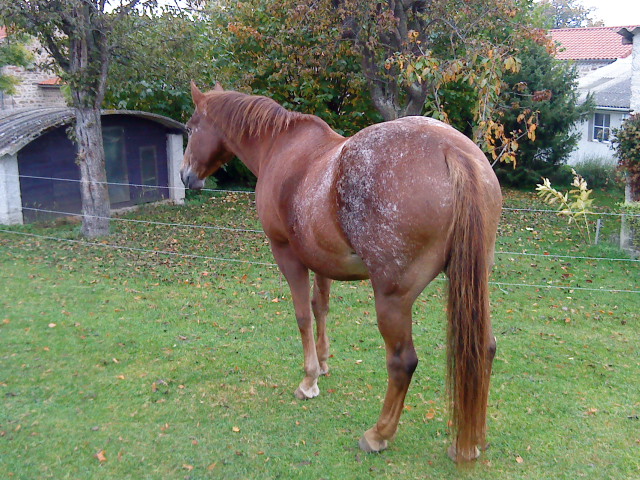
<point x="190" y="179"/>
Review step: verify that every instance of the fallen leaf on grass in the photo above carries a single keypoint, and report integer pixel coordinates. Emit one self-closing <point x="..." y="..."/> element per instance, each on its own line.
<point x="236" y="429"/>
<point x="212" y="466"/>
<point x="52" y="325"/>
<point x="519" y="459"/>
<point x="101" y="456"/>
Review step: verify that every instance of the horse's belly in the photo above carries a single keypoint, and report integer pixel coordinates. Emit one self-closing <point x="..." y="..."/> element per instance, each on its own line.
<point x="330" y="257"/>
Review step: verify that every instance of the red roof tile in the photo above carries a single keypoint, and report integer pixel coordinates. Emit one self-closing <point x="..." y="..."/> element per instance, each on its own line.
<point x="590" y="43"/>
<point x="51" y="81"/>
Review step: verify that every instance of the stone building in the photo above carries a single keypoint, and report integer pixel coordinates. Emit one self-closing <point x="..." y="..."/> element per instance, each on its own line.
<point x="37" y="87"/>
<point x="39" y="178"/>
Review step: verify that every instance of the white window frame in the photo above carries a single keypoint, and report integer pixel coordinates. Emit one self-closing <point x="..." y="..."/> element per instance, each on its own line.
<point x="604" y="126"/>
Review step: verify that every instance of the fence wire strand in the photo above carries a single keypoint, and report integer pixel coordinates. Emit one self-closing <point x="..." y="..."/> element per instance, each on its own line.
<point x="251" y="192"/>
<point x="244" y="230"/>
<point x="137" y="249"/>
<point x="249" y="262"/>
<point x="148" y="222"/>
<point x="256" y="231"/>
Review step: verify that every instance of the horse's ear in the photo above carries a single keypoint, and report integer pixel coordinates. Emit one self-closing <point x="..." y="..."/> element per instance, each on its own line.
<point x="196" y="94"/>
<point x="218" y="87"/>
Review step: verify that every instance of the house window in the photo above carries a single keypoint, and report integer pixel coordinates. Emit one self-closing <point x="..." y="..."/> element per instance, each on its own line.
<point x="601" y="127"/>
<point x="148" y="167"/>
<point x="116" y="164"/>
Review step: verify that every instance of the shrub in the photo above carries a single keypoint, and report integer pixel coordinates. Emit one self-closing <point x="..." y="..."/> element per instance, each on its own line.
<point x="627" y="145"/>
<point x="523" y="176"/>
<point x="599" y="173"/>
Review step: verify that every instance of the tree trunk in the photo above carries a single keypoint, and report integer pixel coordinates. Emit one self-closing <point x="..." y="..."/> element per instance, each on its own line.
<point x="91" y="161"/>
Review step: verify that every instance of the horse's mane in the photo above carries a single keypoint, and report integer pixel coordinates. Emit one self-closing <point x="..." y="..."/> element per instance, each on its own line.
<point x="245" y="115"/>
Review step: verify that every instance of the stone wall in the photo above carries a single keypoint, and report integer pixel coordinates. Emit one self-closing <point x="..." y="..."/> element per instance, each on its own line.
<point x="30" y="92"/>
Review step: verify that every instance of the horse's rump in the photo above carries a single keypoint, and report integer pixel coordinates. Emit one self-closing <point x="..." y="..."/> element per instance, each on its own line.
<point x="395" y="192"/>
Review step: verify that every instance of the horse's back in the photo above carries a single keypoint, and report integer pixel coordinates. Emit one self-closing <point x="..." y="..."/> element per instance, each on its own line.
<point x="395" y="191"/>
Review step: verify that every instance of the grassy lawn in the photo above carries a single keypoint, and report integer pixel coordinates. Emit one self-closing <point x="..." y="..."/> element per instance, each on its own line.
<point x="121" y="363"/>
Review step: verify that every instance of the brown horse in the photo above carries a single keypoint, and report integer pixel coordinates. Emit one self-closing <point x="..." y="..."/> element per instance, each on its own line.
<point x="399" y="202"/>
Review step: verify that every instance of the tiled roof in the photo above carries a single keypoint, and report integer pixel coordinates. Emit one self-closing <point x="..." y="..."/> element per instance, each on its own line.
<point x="610" y="85"/>
<point x="590" y="43"/>
<point x="51" y="82"/>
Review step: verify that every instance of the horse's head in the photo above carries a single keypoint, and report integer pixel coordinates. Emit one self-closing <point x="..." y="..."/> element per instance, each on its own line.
<point x="206" y="151"/>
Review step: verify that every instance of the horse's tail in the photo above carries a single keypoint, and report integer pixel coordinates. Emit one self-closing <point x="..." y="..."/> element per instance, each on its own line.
<point x="469" y="329"/>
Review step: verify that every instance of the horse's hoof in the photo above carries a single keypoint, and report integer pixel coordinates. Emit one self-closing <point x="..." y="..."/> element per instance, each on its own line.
<point x="303" y="393"/>
<point x="372" y="442"/>
<point x="452" y="451"/>
<point x="324" y="368"/>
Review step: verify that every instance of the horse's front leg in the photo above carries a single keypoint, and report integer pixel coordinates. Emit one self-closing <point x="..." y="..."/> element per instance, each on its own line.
<point x="394" y="323"/>
<point x="297" y="276"/>
<point x="320" y="306"/>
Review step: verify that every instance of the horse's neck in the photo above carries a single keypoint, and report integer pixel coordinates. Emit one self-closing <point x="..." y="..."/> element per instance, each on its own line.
<point x="304" y="139"/>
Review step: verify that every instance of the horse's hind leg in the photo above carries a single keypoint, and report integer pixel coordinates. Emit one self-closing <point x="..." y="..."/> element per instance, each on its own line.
<point x="394" y="323"/>
<point x="320" y="305"/>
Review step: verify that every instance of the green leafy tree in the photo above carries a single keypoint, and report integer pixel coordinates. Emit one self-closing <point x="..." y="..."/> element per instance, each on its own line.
<point x="293" y="52"/>
<point x="158" y="53"/>
<point x="548" y="87"/>
<point x="13" y="52"/>
<point x="565" y="14"/>
<point x="77" y="36"/>
<point x="338" y="58"/>
<point x="414" y="51"/>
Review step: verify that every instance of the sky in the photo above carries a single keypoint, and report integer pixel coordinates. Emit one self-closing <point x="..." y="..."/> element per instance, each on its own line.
<point x="615" y="13"/>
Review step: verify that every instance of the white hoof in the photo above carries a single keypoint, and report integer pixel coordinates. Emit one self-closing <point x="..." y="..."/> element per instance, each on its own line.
<point x="304" y="393"/>
<point x="372" y="442"/>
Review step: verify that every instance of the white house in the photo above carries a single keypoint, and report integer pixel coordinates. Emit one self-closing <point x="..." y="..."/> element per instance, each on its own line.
<point x="604" y="62"/>
<point x="611" y="89"/>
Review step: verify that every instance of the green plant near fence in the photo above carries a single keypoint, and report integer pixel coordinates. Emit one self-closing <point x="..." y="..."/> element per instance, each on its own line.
<point x="574" y="204"/>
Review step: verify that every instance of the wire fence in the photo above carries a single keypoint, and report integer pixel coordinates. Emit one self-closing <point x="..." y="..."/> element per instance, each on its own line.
<point x="251" y="192"/>
<point x="246" y="230"/>
<point x="116" y="218"/>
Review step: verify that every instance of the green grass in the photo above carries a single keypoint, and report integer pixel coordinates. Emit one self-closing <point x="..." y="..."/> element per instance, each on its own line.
<point x="185" y="368"/>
